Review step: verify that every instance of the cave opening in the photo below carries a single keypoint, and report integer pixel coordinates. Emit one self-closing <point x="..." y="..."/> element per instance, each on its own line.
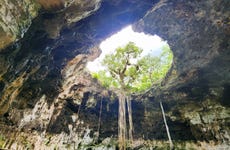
<point x="152" y="45"/>
<point x="131" y="63"/>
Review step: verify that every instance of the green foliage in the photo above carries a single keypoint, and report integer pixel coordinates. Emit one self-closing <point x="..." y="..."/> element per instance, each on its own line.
<point x="106" y="80"/>
<point x="126" y="70"/>
<point x="2" y="141"/>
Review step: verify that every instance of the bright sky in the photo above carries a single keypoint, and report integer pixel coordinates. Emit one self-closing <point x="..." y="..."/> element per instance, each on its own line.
<point x="150" y="44"/>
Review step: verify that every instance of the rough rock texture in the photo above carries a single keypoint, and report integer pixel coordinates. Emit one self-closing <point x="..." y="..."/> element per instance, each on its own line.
<point x="29" y="56"/>
<point x="208" y="120"/>
<point x="67" y="12"/>
<point x="48" y="100"/>
<point x="17" y="16"/>
<point x="15" y="19"/>
<point x="198" y="34"/>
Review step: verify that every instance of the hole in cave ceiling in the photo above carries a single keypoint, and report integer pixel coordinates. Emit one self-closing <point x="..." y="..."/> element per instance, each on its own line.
<point x="152" y="45"/>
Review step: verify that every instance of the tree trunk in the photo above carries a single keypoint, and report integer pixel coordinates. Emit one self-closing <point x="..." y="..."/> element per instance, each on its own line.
<point x="166" y="126"/>
<point x="122" y="123"/>
<point x="129" y="105"/>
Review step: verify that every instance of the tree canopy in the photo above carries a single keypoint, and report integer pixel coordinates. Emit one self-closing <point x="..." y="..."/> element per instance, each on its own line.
<point x="128" y="70"/>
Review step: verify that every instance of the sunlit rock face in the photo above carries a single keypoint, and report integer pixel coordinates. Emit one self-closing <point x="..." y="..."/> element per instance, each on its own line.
<point x="66" y="13"/>
<point x="15" y="19"/>
<point x="49" y="100"/>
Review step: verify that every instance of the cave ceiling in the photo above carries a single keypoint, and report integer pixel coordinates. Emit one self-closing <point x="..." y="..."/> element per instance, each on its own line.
<point x="45" y="61"/>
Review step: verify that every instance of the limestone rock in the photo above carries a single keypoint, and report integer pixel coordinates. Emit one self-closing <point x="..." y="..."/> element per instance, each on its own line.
<point x="15" y="19"/>
<point x="195" y="39"/>
<point x="67" y="13"/>
<point x="49" y="100"/>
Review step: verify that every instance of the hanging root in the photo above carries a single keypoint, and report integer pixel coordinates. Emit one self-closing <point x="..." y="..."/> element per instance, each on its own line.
<point x="166" y="126"/>
<point x="122" y="129"/>
<point x="99" y="120"/>
<point x="129" y="105"/>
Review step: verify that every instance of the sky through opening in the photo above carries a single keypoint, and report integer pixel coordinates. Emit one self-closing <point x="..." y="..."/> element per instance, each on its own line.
<point x="151" y="45"/>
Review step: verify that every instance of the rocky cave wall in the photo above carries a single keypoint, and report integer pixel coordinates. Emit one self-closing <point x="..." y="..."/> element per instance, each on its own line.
<point x="198" y="34"/>
<point x="44" y="87"/>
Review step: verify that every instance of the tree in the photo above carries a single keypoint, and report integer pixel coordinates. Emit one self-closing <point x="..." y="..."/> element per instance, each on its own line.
<point x="126" y="72"/>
